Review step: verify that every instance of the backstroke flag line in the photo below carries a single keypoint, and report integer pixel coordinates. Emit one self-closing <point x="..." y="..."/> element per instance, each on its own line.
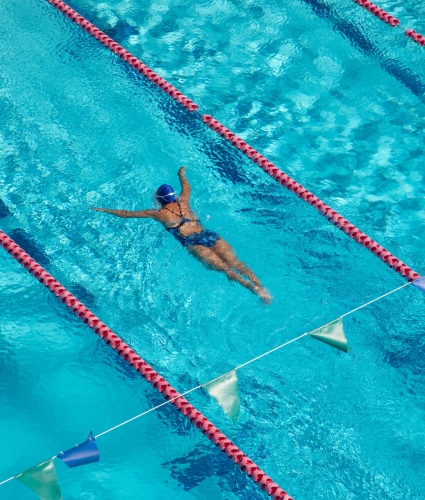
<point x="225" y="391"/>
<point x="333" y="334"/>
<point x="81" y="454"/>
<point x="42" y="480"/>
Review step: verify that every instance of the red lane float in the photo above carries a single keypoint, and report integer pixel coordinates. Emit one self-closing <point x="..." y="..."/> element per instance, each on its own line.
<point x="134" y="360"/>
<point x="124" y="54"/>
<point x="391" y="20"/>
<point x="415" y="36"/>
<point x="333" y="216"/>
<point x="378" y="12"/>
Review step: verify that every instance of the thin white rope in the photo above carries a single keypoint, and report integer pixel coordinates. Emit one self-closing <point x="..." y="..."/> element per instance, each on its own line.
<point x="13" y="477"/>
<point x="7" y="480"/>
<point x="269" y="352"/>
<point x="237" y="368"/>
<point x="374" y="300"/>
<point x="147" y="411"/>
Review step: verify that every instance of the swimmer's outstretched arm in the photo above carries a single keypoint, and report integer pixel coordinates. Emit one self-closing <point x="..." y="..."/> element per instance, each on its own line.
<point x="185" y="192"/>
<point x="127" y="214"/>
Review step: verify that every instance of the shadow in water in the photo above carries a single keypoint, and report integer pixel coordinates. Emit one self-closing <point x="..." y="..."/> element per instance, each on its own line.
<point x="4" y="211"/>
<point x="28" y="243"/>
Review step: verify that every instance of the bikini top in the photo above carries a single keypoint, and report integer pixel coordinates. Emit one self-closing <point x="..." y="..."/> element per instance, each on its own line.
<point x="184" y="220"/>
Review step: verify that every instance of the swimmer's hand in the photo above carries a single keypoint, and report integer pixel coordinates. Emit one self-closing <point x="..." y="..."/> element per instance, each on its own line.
<point x="185" y="192"/>
<point x="97" y="209"/>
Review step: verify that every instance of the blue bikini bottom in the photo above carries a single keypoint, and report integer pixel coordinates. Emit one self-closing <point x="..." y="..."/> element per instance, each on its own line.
<point x="204" y="238"/>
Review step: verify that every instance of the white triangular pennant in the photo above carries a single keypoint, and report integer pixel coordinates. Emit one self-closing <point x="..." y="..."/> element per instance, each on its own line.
<point x="225" y="391"/>
<point x="332" y="334"/>
<point x="42" y="480"/>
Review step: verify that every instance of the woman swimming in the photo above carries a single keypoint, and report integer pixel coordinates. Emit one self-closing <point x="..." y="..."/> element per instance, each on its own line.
<point x="179" y="220"/>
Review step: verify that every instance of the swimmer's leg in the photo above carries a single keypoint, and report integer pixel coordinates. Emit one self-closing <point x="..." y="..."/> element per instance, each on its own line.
<point x="226" y="253"/>
<point x="208" y="257"/>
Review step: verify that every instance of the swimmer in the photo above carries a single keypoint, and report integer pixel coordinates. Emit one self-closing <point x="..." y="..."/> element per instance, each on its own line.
<point x="208" y="247"/>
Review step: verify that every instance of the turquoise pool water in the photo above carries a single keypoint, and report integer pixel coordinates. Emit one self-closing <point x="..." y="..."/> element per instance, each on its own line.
<point x="333" y="97"/>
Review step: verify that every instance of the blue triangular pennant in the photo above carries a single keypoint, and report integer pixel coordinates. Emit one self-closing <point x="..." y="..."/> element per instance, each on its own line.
<point x="420" y="283"/>
<point x="81" y="454"/>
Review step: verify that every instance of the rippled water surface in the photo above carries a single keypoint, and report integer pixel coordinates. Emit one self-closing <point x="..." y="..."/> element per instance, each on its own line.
<point x="336" y="99"/>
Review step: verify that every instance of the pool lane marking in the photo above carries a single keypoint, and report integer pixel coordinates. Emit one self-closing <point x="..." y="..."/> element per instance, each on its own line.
<point x="391" y="20"/>
<point x="334" y="217"/>
<point x="283" y="179"/>
<point x="236" y="368"/>
<point x="124" y="54"/>
<point x="157" y="381"/>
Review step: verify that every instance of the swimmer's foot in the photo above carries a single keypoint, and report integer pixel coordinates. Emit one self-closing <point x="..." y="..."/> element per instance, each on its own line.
<point x="263" y="294"/>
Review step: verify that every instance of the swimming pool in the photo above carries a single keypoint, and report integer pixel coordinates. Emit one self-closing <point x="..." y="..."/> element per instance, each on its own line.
<point x="79" y="129"/>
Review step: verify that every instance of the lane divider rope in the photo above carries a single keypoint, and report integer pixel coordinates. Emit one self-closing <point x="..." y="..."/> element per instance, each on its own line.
<point x="378" y="12"/>
<point x="334" y="217"/>
<point x="147" y="372"/>
<point x="391" y="20"/>
<point x="124" y="54"/>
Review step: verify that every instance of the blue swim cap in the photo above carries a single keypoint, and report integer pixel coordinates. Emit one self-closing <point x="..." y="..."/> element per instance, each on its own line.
<point x="165" y="194"/>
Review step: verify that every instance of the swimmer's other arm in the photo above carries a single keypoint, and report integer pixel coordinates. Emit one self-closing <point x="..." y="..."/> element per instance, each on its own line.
<point x="185" y="192"/>
<point x="127" y="214"/>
